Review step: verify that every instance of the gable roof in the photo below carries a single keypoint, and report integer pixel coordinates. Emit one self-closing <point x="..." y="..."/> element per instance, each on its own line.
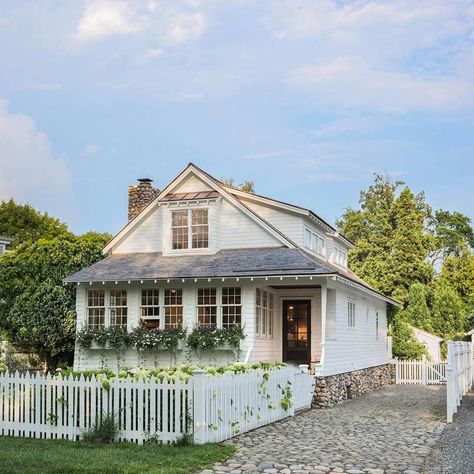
<point x="430" y="334"/>
<point x="217" y="186"/>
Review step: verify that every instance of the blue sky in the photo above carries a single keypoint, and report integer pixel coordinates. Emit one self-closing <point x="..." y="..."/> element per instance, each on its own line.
<point x="305" y="98"/>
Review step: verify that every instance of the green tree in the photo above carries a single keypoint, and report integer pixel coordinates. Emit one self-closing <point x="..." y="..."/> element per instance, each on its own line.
<point x="37" y="312"/>
<point x="458" y="273"/>
<point x="449" y="319"/>
<point x="246" y="186"/>
<point x="388" y="230"/>
<point x="452" y="233"/>
<point x="404" y="344"/>
<point x="417" y="312"/>
<point x="22" y="223"/>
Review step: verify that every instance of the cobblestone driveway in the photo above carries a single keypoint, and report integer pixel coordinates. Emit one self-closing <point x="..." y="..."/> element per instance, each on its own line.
<point x="389" y="431"/>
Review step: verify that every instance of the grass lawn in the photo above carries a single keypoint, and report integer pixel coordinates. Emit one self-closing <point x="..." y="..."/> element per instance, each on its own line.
<point x="28" y="456"/>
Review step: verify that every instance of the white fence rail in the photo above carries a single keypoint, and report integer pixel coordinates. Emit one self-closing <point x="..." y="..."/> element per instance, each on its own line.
<point x="420" y="372"/>
<point x="460" y="374"/>
<point x="214" y="408"/>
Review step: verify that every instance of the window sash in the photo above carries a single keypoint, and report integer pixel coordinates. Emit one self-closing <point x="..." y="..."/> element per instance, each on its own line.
<point x="314" y="242"/>
<point x="173" y="308"/>
<point x="264" y="313"/>
<point x="190" y="229"/>
<point x="351" y="322"/>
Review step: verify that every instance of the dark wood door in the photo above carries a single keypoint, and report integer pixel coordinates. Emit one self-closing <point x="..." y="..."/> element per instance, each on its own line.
<point x="297" y="331"/>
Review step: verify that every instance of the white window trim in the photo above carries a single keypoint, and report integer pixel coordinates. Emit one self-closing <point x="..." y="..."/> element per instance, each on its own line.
<point x="160" y="316"/>
<point x="189" y="248"/>
<point x="218" y="304"/>
<point x="107" y="306"/>
<point x="270" y="322"/>
<point x="334" y="258"/>
<point x="318" y="236"/>
<point x="351" y="314"/>
<point x="377" y="325"/>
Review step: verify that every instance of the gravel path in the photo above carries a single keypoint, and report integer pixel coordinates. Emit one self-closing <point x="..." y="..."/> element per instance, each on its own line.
<point x="454" y="453"/>
<point x="390" y="431"/>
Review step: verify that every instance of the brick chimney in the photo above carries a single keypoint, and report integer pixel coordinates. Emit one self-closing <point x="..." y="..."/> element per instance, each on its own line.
<point x="139" y="196"/>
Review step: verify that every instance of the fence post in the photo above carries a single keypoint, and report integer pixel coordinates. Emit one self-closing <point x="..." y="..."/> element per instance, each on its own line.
<point x="424" y="371"/>
<point x="199" y="406"/>
<point x="304" y="368"/>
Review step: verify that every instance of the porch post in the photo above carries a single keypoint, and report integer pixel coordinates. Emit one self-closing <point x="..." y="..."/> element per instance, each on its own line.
<point x="324" y="294"/>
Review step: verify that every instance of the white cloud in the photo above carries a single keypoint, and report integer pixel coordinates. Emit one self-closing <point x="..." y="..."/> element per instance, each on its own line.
<point x="185" y="27"/>
<point x="348" y="125"/>
<point x="29" y="170"/>
<point x="351" y="82"/>
<point x="188" y="97"/>
<point x="105" y="18"/>
<point x="150" y="55"/>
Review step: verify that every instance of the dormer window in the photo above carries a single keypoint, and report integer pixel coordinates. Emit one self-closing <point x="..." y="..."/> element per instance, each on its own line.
<point x="340" y="257"/>
<point x="314" y="242"/>
<point x="190" y="229"/>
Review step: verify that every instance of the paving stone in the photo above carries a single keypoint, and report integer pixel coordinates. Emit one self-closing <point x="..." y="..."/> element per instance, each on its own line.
<point x="389" y="431"/>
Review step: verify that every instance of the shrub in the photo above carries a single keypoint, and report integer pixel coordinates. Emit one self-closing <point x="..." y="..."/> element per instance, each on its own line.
<point x="104" y="430"/>
<point x="3" y="365"/>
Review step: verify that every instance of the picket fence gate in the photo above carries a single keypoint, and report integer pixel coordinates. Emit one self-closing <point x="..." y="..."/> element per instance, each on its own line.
<point x="213" y="408"/>
<point x="420" y="372"/>
<point x="460" y="374"/>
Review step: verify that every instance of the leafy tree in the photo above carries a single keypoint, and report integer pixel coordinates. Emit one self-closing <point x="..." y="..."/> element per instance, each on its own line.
<point x="404" y="344"/>
<point x="22" y="223"/>
<point x="458" y="273"/>
<point x="246" y="186"/>
<point x="452" y="234"/>
<point x="417" y="312"/>
<point x="37" y="312"/>
<point x="388" y="230"/>
<point x="449" y="319"/>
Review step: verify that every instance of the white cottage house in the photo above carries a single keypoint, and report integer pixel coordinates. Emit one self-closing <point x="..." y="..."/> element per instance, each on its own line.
<point x="200" y="252"/>
<point x="432" y="343"/>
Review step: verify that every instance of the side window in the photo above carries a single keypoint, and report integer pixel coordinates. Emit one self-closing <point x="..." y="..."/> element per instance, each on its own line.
<point x="150" y="308"/>
<point x="173" y="308"/>
<point x="96" y="308"/>
<point x="351" y="316"/>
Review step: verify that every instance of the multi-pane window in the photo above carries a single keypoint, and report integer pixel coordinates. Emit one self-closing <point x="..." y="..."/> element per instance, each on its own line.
<point x="377" y="325"/>
<point x="118" y="308"/>
<point x="340" y="257"/>
<point x="207" y="307"/>
<point x="351" y="314"/>
<point x="179" y="226"/>
<point x="96" y="308"/>
<point x="173" y="308"/>
<point x="200" y="228"/>
<point x="264" y="313"/>
<point x="314" y="242"/>
<point x="231" y="307"/>
<point x="150" y="308"/>
<point x="190" y="229"/>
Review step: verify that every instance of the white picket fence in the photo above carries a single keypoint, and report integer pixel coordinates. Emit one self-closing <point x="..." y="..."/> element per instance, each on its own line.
<point x="420" y="372"/>
<point x="460" y="374"/>
<point x="214" y="408"/>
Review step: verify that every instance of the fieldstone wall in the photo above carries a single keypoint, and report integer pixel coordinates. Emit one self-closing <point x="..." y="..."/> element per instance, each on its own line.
<point x="336" y="389"/>
<point x="140" y="196"/>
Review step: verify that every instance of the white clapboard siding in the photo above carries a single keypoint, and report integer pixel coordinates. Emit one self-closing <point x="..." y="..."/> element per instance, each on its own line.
<point x="420" y="372"/>
<point x="459" y="373"/>
<point x="214" y="408"/>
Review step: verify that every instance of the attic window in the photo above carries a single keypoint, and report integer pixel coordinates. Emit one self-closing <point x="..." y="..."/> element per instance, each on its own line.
<point x="190" y="229"/>
<point x="314" y="242"/>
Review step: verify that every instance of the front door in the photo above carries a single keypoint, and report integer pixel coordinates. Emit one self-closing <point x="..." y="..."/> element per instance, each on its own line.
<point x="297" y="331"/>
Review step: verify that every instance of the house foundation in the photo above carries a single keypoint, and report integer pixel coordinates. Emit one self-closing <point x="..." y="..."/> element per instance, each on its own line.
<point x="335" y="389"/>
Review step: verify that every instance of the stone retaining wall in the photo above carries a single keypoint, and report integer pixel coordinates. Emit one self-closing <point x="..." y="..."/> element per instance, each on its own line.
<point x="335" y="389"/>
